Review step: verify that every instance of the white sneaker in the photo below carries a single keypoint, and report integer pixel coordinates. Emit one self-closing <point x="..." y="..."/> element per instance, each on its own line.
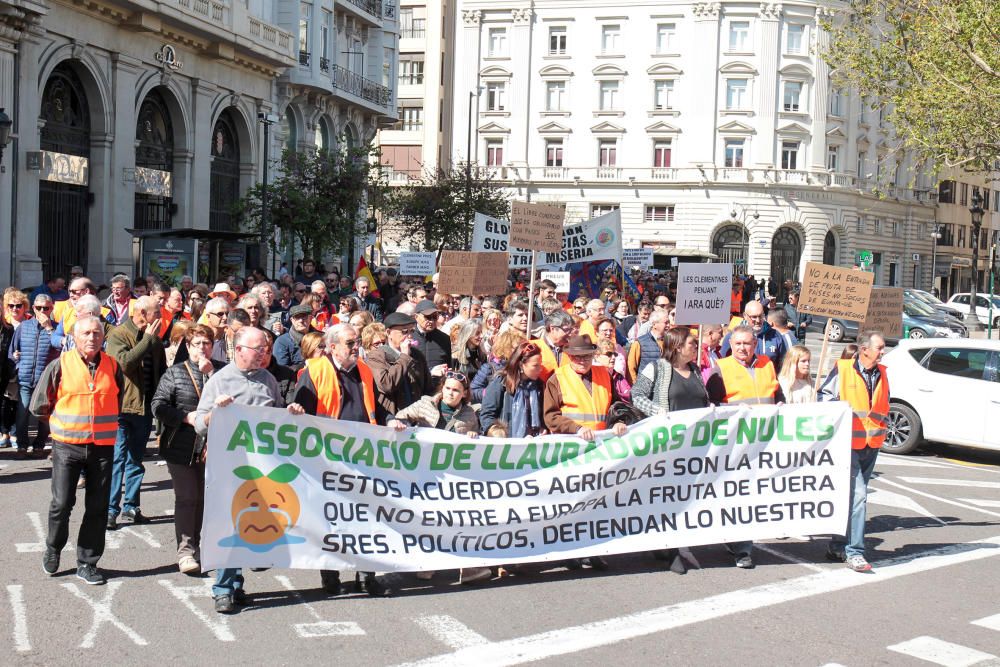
<point x="188" y="565"/>
<point x="858" y="563"/>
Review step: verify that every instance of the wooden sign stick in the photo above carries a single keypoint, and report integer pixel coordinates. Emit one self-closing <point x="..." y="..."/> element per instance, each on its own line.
<point x="822" y="352"/>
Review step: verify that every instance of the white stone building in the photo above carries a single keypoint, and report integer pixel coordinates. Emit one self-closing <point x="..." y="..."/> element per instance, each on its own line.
<point x="137" y="115"/>
<point x="713" y="126"/>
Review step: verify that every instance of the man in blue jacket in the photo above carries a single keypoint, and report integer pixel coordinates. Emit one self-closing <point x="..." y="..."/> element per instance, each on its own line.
<point x="769" y="341"/>
<point x="31" y="351"/>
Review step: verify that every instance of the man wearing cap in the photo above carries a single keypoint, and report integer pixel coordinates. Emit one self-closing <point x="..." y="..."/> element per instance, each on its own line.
<point x="577" y="398"/>
<point x="341" y="386"/>
<point x="399" y="368"/>
<point x="747" y="378"/>
<point x="798" y="321"/>
<point x="558" y="327"/>
<point x="432" y="343"/>
<point x="223" y="290"/>
<point x="288" y="346"/>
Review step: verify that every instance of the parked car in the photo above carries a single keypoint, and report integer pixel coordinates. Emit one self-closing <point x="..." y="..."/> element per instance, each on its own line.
<point x="960" y="302"/>
<point x="919" y="321"/>
<point x="934" y="302"/>
<point x="943" y="391"/>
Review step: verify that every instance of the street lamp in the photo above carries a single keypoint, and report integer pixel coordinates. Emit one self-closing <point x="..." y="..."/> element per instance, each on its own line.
<point x="972" y="319"/>
<point x="935" y="237"/>
<point x="5" y="124"/>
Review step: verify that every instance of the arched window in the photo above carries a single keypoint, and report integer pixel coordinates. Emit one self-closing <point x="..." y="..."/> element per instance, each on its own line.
<point x="786" y="251"/>
<point x="154" y="157"/>
<point x="730" y="246"/>
<point x="830" y="249"/>
<point x="225" y="179"/>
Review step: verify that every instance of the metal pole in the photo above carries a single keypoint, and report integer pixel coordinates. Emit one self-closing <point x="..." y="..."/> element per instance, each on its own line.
<point x="934" y="240"/>
<point x="265" y="203"/>
<point x="468" y="173"/>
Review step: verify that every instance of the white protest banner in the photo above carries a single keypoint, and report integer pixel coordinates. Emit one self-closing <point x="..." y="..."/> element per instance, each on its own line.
<point x="590" y="241"/>
<point x="417" y="263"/>
<point x="560" y="278"/>
<point x="637" y="257"/>
<point x="703" y="293"/>
<point x="316" y="493"/>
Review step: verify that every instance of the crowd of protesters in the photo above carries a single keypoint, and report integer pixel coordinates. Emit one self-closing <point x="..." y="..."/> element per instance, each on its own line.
<point x="387" y="350"/>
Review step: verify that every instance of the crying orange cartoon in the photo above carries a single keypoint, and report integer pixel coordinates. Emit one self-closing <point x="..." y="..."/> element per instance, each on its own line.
<point x="264" y="508"/>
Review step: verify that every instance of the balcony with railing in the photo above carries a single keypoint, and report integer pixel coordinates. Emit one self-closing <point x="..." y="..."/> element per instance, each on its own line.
<point x="359" y="87"/>
<point x="230" y="27"/>
<point x="367" y="10"/>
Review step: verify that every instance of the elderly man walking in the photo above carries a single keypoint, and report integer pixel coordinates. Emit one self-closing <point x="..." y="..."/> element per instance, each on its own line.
<point x="79" y="394"/>
<point x="137" y="347"/>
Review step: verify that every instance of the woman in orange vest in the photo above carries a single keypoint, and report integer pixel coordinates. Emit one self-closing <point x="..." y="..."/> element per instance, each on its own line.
<point x="79" y="394"/>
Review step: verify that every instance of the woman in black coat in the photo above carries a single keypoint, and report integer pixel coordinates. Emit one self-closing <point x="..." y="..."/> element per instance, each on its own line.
<point x="174" y="404"/>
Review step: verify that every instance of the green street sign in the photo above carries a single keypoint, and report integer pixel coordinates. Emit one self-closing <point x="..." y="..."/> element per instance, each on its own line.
<point x="865" y="257"/>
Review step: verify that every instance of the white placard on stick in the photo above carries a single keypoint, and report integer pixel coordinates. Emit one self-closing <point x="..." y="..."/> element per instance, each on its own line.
<point x="560" y="278"/>
<point x="703" y="293"/>
<point x="417" y="263"/>
<point x="642" y="257"/>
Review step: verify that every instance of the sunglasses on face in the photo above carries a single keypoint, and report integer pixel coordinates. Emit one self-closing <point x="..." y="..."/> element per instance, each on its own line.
<point x="15" y="306"/>
<point x="43" y="309"/>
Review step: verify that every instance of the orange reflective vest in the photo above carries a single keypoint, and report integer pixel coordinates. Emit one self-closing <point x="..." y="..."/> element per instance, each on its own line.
<point x="587" y="329"/>
<point x="588" y="409"/>
<point x="324" y="378"/>
<point x="742" y="386"/>
<point x="549" y="364"/>
<point x="868" y="427"/>
<point x="324" y="320"/>
<point x="86" y="409"/>
<point x="735" y="301"/>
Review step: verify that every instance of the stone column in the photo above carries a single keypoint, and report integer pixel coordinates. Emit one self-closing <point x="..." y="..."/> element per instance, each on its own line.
<point x="27" y="263"/>
<point x="821" y="83"/>
<point x="766" y="88"/>
<point x="467" y="81"/>
<point x="197" y="200"/>
<point x="519" y="99"/>
<point x="705" y="68"/>
<point x="9" y="165"/>
<point x="120" y="205"/>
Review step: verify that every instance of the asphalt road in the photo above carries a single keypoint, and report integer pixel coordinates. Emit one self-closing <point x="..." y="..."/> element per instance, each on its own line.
<point x="934" y="597"/>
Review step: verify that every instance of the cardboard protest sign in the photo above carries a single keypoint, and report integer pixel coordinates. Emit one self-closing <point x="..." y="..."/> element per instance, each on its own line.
<point x="835" y="292"/>
<point x="885" y="312"/>
<point x="536" y="226"/>
<point x="703" y="293"/>
<point x="637" y="257"/>
<point x="463" y="272"/>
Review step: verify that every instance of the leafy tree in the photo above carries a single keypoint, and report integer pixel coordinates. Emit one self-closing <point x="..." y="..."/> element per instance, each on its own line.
<point x="934" y="65"/>
<point x="440" y="209"/>
<point x="319" y="200"/>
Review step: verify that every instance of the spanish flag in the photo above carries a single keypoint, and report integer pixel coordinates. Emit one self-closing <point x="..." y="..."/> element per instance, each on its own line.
<point x="364" y="272"/>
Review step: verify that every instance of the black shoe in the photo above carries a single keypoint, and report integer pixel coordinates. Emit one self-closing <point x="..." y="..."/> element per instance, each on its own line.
<point x="835" y="556"/>
<point x="598" y="563"/>
<point x="112" y="522"/>
<point x="330" y="580"/>
<point x="239" y="596"/>
<point x="135" y="516"/>
<point x="50" y="561"/>
<point x="375" y="587"/>
<point x="744" y="562"/>
<point x="90" y="574"/>
<point x="224" y="604"/>
<point x="573" y="564"/>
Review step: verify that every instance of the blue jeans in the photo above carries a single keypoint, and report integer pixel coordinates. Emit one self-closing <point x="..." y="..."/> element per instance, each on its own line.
<point x="862" y="465"/>
<point x="22" y="423"/>
<point x="130" y="447"/>
<point x="227" y="580"/>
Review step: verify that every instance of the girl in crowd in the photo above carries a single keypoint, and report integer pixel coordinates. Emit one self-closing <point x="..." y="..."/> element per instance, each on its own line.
<point x="492" y="319"/>
<point x="795" y="377"/>
<point x="466" y="355"/>
<point x="503" y="347"/>
<point x="348" y="306"/>
<point x="372" y="336"/>
<point x="621" y="311"/>
<point x="515" y="395"/>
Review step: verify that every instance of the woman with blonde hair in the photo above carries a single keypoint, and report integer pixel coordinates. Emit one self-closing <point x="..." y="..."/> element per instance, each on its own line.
<point x="15" y="311"/>
<point x="795" y="377"/>
<point x="372" y="336"/>
<point x="492" y="319"/>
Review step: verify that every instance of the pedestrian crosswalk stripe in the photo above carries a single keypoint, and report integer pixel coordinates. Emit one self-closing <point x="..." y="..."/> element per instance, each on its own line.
<point x="981" y="502"/>
<point x="991" y="622"/>
<point x="941" y="652"/>
<point x="968" y="483"/>
<point x="450" y="631"/>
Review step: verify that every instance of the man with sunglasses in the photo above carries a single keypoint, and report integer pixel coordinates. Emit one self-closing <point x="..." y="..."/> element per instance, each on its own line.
<point x="399" y="368"/>
<point x="31" y="350"/>
<point x="120" y="302"/>
<point x="64" y="312"/>
<point x="558" y="329"/>
<point x="433" y="343"/>
<point x="769" y="341"/>
<point x="341" y="386"/>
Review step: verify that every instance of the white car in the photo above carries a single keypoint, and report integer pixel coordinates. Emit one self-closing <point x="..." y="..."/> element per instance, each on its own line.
<point x="960" y="302"/>
<point x="944" y="391"/>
